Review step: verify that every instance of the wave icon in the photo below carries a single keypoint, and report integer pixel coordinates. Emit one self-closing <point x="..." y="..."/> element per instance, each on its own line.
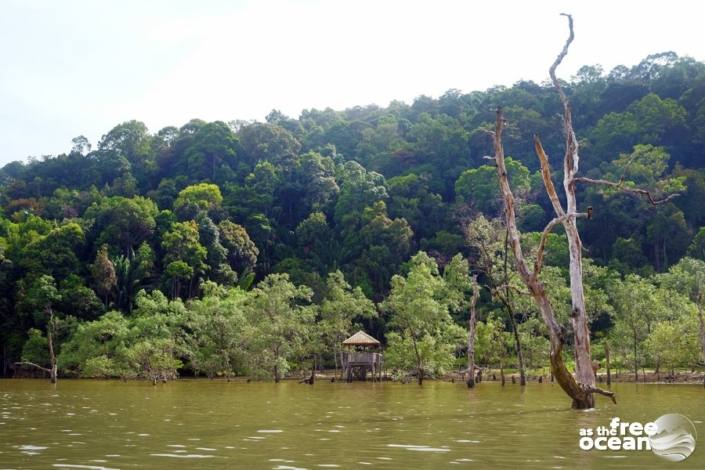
<point x="674" y="439"/>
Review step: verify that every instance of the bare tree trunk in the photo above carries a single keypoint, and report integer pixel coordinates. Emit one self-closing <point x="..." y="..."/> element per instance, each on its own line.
<point x="335" y="360"/>
<point x="312" y="379"/>
<point x="607" y="360"/>
<point x="50" y="341"/>
<point x="472" y="325"/>
<point x="581" y="331"/>
<point x="636" y="362"/>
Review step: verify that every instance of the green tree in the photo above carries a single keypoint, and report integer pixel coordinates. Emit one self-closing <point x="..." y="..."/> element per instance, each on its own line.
<point x="99" y="349"/>
<point x="697" y="246"/>
<point x="637" y="309"/>
<point x="687" y="277"/>
<point x="317" y="242"/>
<point x="479" y="188"/>
<point x="340" y="307"/>
<point x="217" y="323"/>
<point x="210" y="151"/>
<point x="267" y="142"/>
<point x="122" y="222"/>
<point x="280" y="323"/>
<point x="39" y="299"/>
<point x="56" y="253"/>
<point x="202" y="197"/>
<point x="130" y="273"/>
<point x="672" y="344"/>
<point x="423" y="332"/>
<point x="242" y="251"/>
<point x="386" y="244"/>
<point x="184" y="256"/>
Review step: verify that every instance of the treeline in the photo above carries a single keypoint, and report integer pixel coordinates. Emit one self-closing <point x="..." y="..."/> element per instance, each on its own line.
<point x="144" y="239"/>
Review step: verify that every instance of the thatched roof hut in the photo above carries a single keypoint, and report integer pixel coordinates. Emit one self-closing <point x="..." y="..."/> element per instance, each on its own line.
<point x="362" y="339"/>
<point x="358" y="359"/>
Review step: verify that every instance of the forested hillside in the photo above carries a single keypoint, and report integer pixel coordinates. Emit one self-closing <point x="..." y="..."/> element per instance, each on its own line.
<point x="260" y="245"/>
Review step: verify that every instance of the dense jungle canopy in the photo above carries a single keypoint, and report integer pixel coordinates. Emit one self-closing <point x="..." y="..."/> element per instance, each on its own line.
<point x="249" y="247"/>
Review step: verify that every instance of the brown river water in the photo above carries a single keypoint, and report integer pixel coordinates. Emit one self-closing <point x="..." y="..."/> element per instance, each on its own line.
<point x="83" y="424"/>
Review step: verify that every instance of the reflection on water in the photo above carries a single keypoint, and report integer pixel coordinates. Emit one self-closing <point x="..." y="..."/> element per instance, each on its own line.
<point x="213" y="424"/>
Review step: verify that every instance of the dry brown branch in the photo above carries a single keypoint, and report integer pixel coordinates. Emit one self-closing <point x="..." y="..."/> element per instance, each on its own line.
<point x="546" y="176"/>
<point x="593" y="389"/>
<point x="620" y="186"/>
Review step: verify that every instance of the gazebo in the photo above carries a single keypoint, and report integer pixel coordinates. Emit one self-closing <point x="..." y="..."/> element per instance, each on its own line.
<point x="361" y="354"/>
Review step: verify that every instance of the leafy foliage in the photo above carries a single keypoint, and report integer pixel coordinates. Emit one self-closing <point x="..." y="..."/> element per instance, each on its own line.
<point x="284" y="236"/>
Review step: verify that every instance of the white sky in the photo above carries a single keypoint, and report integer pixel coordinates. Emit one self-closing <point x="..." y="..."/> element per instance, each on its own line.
<point x="81" y="67"/>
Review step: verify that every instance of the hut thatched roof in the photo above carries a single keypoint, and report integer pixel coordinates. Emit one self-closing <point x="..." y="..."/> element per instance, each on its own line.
<point x="361" y="339"/>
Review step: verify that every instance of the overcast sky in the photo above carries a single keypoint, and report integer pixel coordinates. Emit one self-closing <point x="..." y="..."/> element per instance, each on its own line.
<point x="81" y="67"/>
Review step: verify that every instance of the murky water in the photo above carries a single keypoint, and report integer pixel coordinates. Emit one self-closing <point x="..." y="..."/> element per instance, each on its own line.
<point x="214" y="424"/>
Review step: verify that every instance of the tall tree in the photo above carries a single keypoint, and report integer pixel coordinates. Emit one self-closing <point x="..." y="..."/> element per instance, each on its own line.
<point x="103" y="272"/>
<point x="184" y="256"/>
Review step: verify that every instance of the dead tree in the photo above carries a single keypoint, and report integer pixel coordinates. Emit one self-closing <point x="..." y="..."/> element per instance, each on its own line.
<point x="472" y="326"/>
<point x="52" y="370"/>
<point x="580" y="387"/>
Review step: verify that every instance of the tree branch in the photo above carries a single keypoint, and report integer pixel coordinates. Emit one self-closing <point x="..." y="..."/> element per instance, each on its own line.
<point x="538" y="264"/>
<point x="559" y="59"/>
<point x="620" y="186"/>
<point x="497" y="290"/>
<point x="593" y="389"/>
<point x="546" y="176"/>
<point x="571" y="142"/>
<point x="32" y="364"/>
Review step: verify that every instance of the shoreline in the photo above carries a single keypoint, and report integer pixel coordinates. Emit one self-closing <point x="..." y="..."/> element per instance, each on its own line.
<point x="510" y="379"/>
